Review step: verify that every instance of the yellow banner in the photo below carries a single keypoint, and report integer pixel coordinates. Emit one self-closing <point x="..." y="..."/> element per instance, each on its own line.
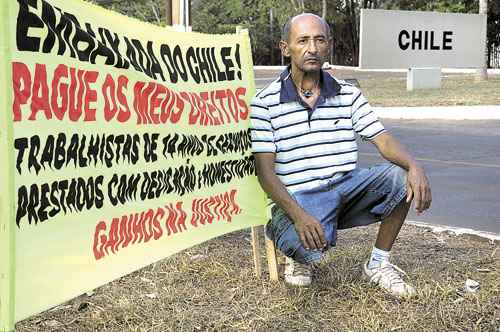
<point x="128" y="143"/>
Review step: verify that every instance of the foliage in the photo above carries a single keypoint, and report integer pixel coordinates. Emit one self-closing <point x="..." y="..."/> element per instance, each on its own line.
<point x="223" y="16"/>
<point x="145" y="10"/>
<point x="342" y="15"/>
<point x="453" y="6"/>
<point x="494" y="23"/>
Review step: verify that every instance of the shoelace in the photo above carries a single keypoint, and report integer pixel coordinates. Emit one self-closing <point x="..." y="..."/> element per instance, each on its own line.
<point x="391" y="271"/>
<point x="301" y="269"/>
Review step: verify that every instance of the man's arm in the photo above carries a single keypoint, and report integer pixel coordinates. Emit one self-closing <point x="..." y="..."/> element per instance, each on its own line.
<point x="308" y="228"/>
<point x="417" y="185"/>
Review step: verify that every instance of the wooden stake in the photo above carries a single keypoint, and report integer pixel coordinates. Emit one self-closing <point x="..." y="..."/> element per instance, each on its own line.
<point x="272" y="262"/>
<point x="256" y="250"/>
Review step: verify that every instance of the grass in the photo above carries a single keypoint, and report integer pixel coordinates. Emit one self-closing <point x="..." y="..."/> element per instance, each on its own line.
<point x="211" y="287"/>
<point x="455" y="90"/>
<point x="389" y="88"/>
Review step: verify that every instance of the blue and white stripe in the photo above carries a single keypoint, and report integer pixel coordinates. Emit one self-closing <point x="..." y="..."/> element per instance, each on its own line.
<point x="311" y="151"/>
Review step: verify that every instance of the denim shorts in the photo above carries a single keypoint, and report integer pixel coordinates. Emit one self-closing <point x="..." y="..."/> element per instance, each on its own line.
<point x="359" y="198"/>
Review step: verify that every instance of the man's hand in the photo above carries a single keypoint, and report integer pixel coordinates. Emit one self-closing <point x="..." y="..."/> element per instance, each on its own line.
<point x="310" y="233"/>
<point x="308" y="228"/>
<point x="418" y="188"/>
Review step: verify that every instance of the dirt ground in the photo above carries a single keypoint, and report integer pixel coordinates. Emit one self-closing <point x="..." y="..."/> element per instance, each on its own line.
<point x="212" y="287"/>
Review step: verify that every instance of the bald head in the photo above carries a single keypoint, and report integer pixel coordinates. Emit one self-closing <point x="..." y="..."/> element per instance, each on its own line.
<point x="285" y="33"/>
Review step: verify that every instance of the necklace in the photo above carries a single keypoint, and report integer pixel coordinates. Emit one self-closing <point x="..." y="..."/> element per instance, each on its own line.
<point x="308" y="93"/>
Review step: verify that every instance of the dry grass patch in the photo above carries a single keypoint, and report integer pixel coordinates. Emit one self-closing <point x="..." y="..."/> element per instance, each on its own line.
<point x="211" y="287"/>
<point x="455" y="90"/>
<point x="389" y="88"/>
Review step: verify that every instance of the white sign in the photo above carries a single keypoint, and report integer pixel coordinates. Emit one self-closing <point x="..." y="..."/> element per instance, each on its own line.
<point x="404" y="39"/>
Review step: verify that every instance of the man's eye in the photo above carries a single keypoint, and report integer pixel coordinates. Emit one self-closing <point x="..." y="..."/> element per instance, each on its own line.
<point x="302" y="41"/>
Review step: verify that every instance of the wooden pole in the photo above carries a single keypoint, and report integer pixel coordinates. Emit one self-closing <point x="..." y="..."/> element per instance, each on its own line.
<point x="180" y="14"/>
<point x="272" y="262"/>
<point x="168" y="12"/>
<point x="176" y="12"/>
<point x="256" y="250"/>
<point x="255" y="230"/>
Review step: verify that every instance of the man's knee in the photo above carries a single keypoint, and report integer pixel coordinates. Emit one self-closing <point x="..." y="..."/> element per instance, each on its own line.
<point x="290" y="245"/>
<point x="394" y="185"/>
<point x="397" y="175"/>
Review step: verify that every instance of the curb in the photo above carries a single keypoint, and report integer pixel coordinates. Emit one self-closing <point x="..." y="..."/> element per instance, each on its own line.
<point x="491" y="71"/>
<point x="493" y="238"/>
<point x="440" y="112"/>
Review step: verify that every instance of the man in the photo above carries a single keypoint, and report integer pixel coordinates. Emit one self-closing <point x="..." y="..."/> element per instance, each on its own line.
<point x="303" y="129"/>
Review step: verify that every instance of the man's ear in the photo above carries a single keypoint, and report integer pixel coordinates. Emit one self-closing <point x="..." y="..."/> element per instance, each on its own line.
<point x="284" y="48"/>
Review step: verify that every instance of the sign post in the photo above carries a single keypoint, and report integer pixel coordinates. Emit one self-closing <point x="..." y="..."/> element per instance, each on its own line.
<point x="181" y="15"/>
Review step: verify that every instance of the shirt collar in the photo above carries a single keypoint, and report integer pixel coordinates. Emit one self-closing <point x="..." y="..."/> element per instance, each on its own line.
<point x="329" y="86"/>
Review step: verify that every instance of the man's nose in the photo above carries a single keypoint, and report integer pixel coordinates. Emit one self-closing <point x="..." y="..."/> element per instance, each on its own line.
<point x="312" y="47"/>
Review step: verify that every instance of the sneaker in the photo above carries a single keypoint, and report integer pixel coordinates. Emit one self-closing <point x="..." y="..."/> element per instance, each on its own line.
<point x="388" y="277"/>
<point x="297" y="274"/>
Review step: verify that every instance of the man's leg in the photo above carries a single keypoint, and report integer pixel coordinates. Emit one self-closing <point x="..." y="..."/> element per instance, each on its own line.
<point x="390" y="226"/>
<point x="297" y="268"/>
<point x="378" y="194"/>
<point x="320" y="203"/>
<point x="378" y="268"/>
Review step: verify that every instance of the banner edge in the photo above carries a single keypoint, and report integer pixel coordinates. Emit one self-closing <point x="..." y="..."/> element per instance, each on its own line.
<point x="7" y="245"/>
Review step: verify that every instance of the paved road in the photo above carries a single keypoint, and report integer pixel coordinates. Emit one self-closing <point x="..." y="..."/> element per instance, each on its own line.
<point x="462" y="159"/>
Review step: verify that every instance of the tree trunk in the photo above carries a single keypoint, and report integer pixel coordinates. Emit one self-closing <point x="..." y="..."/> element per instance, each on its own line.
<point x="271" y="34"/>
<point x="354" y="32"/>
<point x="482" y="73"/>
<point x="157" y="16"/>
<point x="323" y="9"/>
<point x="488" y="62"/>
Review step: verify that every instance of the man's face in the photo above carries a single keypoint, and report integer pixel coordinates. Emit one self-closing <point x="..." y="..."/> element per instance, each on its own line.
<point x="308" y="44"/>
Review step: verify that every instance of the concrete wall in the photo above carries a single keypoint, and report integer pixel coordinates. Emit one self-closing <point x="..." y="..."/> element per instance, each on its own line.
<point x="404" y="39"/>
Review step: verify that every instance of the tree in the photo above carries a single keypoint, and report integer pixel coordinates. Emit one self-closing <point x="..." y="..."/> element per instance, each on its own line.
<point x="298" y="6"/>
<point x="494" y="33"/>
<point x="144" y="10"/>
<point x="222" y="16"/>
<point x="482" y="73"/>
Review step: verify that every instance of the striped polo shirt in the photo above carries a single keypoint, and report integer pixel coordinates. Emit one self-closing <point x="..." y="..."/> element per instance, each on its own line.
<point x="312" y="146"/>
